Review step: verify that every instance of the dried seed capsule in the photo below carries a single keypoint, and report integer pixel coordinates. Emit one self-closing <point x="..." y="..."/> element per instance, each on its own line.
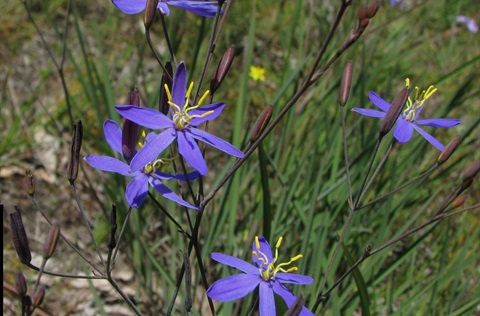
<point x="150" y="11"/>
<point x="19" y="236"/>
<point x="261" y="123"/>
<point x="394" y="112"/>
<point x="130" y="129"/>
<point x="29" y="183"/>
<point x="222" y="69"/>
<point x="72" y="170"/>
<point x="51" y="241"/>
<point x="449" y="149"/>
<point x="166" y="80"/>
<point x="20" y="283"/>
<point x="38" y="295"/>
<point x="345" y="83"/>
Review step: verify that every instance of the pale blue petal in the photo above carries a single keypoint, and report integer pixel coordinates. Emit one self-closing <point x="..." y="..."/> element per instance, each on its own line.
<point x="169" y="194"/>
<point x="188" y="148"/>
<point x="109" y="164"/>
<point x="267" y="301"/>
<point x="216" y="142"/>
<point x="137" y="190"/>
<point x="289" y="298"/>
<point x="130" y="6"/>
<point x="202" y="8"/>
<point x="292" y="278"/>
<point x="379" y="102"/>
<point x="179" y="88"/>
<point x="113" y="135"/>
<point x="233" y="287"/>
<point x="265" y="249"/>
<point x="146" y="117"/>
<point x="439" y="122"/>
<point x="369" y="112"/>
<point x="152" y="149"/>
<point x="432" y="140"/>
<point x="403" y="131"/>
<point x="217" y="108"/>
<point x="235" y="263"/>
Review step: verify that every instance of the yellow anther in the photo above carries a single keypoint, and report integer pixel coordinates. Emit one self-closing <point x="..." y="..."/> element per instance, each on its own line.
<point x="167" y="90"/>
<point x="279" y="242"/>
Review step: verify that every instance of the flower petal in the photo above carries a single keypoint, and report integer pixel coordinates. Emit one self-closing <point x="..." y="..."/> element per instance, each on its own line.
<point x="369" y="112"/>
<point x="403" y="131"/>
<point x="188" y="148"/>
<point x="292" y="278"/>
<point x="379" y="102"/>
<point x="289" y="298"/>
<point x="267" y="301"/>
<point x="217" y="108"/>
<point x="233" y="287"/>
<point x="264" y="249"/>
<point x="137" y="190"/>
<point x="235" y="263"/>
<point x="113" y="135"/>
<point x="215" y="142"/>
<point x="202" y="8"/>
<point x="152" y="149"/>
<point x="108" y="164"/>
<point x="144" y="116"/>
<point x="169" y="194"/>
<point x="439" y="122"/>
<point x="130" y="6"/>
<point x="163" y="7"/>
<point x="179" y="88"/>
<point x="432" y="140"/>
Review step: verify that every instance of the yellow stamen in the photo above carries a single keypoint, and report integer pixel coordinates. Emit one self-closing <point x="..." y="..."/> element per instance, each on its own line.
<point x="411" y="111"/>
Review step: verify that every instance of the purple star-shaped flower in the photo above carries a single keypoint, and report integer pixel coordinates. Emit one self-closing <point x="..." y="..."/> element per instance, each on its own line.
<point x="137" y="189"/>
<point x="407" y="122"/>
<point x="265" y="272"/>
<point x="201" y="7"/>
<point x="180" y="127"/>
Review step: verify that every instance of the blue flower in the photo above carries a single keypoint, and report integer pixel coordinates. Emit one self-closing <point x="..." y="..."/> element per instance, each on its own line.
<point x="265" y="273"/>
<point x="180" y="127"/>
<point x="407" y="122"/>
<point x="201" y="7"/>
<point x="137" y="189"/>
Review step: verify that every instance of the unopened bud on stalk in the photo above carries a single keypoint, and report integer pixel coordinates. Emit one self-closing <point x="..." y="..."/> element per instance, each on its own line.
<point x="261" y="123"/>
<point x="394" y="112"/>
<point x="129" y="128"/>
<point x="20" y="283"/>
<point x="166" y="80"/>
<point x="51" y="241"/>
<point x="449" y="149"/>
<point x="470" y="174"/>
<point x="373" y="8"/>
<point x="346" y="83"/>
<point x="72" y="170"/>
<point x="37" y="297"/>
<point x="29" y="183"/>
<point x="19" y="237"/>
<point x="222" y="69"/>
<point x="113" y="228"/>
<point x="362" y="13"/>
<point x="459" y="201"/>
<point x="150" y="11"/>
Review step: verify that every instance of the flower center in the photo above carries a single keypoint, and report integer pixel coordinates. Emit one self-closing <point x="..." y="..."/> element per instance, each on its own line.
<point x="414" y="107"/>
<point x="156" y="164"/>
<point x="181" y="118"/>
<point x="268" y="270"/>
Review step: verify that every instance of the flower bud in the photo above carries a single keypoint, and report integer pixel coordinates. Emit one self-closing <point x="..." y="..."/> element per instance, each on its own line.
<point x="129" y="128"/>
<point x="222" y="69"/>
<point x="51" y="241"/>
<point x="29" y="183"/>
<point x="19" y="237"/>
<point x="459" y="201"/>
<point x="72" y="170"/>
<point x="373" y="8"/>
<point x="448" y="151"/>
<point x="113" y="228"/>
<point x="20" y="283"/>
<point x="261" y="123"/>
<point x="470" y="174"/>
<point x="345" y="83"/>
<point x="150" y="11"/>
<point x="38" y="295"/>
<point x="362" y="13"/>
<point x="166" y="80"/>
<point x="394" y="112"/>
